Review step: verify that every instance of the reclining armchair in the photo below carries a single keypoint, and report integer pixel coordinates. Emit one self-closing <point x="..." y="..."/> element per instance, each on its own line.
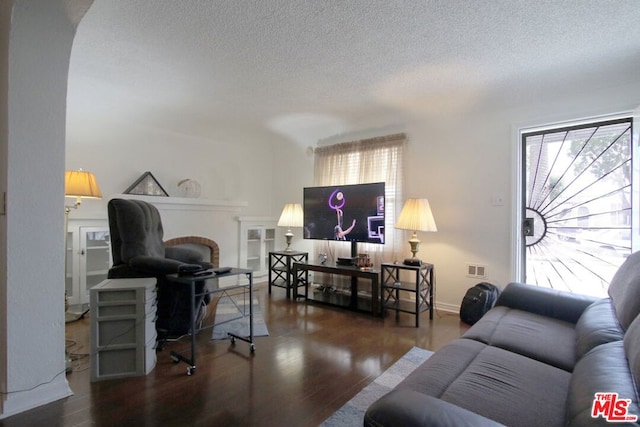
<point x="138" y="251"/>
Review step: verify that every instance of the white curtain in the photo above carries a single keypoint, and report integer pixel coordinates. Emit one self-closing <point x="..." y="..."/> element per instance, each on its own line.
<point x="369" y="160"/>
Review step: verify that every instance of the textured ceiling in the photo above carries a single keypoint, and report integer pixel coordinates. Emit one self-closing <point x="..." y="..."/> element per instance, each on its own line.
<point x="312" y="69"/>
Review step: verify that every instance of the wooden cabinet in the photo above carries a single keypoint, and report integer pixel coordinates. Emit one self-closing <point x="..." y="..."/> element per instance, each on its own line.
<point x="257" y="239"/>
<point x="123" y="333"/>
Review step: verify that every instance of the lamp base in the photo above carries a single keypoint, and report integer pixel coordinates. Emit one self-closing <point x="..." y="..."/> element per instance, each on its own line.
<point x="415" y="262"/>
<point x="288" y="236"/>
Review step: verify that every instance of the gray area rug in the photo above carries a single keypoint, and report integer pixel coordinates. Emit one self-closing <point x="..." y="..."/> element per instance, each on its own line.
<point x="352" y="413"/>
<point x="232" y="315"/>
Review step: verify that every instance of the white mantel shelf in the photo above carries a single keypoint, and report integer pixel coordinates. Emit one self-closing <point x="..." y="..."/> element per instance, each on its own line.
<point x="186" y="203"/>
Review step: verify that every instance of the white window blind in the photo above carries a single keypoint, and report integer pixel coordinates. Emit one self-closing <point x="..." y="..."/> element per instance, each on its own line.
<point x="377" y="159"/>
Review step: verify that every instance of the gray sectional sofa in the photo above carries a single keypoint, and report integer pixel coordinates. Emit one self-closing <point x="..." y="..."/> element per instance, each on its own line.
<point x="536" y="359"/>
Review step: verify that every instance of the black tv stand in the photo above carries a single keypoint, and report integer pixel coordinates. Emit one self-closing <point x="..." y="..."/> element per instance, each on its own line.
<point x="353" y="299"/>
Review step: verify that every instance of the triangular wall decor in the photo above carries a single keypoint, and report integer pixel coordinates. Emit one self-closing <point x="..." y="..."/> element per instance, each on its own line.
<point x="146" y="185"/>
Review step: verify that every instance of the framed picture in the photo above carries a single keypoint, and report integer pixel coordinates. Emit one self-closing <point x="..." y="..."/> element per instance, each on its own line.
<point x="146" y="185"/>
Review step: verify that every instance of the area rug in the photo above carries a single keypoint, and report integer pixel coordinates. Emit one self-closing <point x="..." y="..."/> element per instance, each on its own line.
<point x="232" y="315"/>
<point x="352" y="413"/>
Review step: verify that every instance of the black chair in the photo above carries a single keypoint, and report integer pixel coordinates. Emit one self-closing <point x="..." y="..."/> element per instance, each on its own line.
<point x="138" y="251"/>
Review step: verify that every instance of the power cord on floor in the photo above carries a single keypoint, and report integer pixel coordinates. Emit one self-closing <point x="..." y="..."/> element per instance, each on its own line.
<point x="77" y="356"/>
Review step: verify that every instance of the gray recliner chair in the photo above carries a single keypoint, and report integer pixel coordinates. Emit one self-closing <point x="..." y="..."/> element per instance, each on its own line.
<point x="138" y="251"/>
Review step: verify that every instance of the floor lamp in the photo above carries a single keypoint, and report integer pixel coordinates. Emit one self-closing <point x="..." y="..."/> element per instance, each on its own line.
<point x="416" y="216"/>
<point x="79" y="184"/>
<point x="291" y="216"/>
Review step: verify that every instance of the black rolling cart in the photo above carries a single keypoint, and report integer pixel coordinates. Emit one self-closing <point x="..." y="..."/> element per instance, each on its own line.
<point x="213" y="288"/>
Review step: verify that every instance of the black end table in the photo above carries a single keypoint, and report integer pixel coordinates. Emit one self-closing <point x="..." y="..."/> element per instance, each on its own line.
<point x="281" y="270"/>
<point x="422" y="284"/>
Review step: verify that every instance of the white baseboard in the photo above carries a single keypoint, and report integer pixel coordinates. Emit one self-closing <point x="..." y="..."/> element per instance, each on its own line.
<point x="21" y="401"/>
<point x="449" y="308"/>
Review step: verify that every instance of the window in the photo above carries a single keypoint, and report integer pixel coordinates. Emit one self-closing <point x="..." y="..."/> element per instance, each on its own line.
<point x="369" y="160"/>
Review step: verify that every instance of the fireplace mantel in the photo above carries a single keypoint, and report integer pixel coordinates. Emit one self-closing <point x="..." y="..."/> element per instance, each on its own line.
<point x="187" y="203"/>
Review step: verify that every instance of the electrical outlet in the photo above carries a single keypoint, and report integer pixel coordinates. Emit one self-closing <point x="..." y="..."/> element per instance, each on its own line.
<point x="477" y="271"/>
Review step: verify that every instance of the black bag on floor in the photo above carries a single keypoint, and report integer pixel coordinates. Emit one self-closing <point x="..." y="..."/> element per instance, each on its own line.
<point x="477" y="301"/>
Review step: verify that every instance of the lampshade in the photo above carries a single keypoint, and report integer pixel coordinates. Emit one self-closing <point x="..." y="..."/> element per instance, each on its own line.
<point x="81" y="184"/>
<point x="291" y="215"/>
<point x="416" y="216"/>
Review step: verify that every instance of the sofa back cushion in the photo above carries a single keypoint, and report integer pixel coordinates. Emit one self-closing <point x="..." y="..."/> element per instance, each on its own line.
<point x="597" y="325"/>
<point x="608" y="368"/>
<point x="624" y="290"/>
<point x="632" y="348"/>
<point x="136" y="230"/>
<point x="603" y="370"/>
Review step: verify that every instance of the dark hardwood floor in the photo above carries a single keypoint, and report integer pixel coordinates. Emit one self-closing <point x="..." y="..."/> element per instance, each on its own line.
<point x="314" y="360"/>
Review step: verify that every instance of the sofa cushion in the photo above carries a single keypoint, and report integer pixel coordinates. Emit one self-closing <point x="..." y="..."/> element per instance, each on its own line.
<point x="624" y="290"/>
<point x="597" y="325"/>
<point x="632" y="349"/>
<point x="603" y="370"/>
<point x="542" y="338"/>
<point x="500" y="385"/>
<point x="410" y="408"/>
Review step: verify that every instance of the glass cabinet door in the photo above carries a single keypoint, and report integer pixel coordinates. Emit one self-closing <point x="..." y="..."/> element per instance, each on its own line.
<point x="269" y="245"/>
<point x="95" y="258"/>
<point x="257" y="239"/>
<point x="87" y="261"/>
<point x="69" y="277"/>
<point x="254" y="246"/>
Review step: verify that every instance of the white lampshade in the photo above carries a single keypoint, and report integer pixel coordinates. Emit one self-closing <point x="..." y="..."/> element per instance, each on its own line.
<point x="416" y="216"/>
<point x="291" y="215"/>
<point x="81" y="184"/>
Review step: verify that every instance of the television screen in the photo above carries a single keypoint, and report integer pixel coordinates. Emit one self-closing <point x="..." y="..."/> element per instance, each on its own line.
<point x="353" y="213"/>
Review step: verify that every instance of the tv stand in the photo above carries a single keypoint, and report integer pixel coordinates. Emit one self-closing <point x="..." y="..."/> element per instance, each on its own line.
<point x="351" y="298"/>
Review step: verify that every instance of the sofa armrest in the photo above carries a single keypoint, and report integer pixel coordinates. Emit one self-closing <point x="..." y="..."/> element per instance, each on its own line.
<point x="544" y="301"/>
<point x="155" y="265"/>
<point x="409" y="408"/>
<point x="186" y="255"/>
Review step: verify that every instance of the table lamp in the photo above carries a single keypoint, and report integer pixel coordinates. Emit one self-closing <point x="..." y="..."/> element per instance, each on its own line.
<point x="291" y="217"/>
<point x="80" y="184"/>
<point x="416" y="216"/>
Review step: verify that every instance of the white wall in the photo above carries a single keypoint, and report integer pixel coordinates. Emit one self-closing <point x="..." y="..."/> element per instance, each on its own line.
<point x="39" y="44"/>
<point x="5" y="25"/>
<point x="460" y="155"/>
<point x="459" y="161"/>
<point x="238" y="171"/>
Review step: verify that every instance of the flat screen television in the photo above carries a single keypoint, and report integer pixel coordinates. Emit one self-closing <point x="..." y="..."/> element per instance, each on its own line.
<point x="353" y="213"/>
